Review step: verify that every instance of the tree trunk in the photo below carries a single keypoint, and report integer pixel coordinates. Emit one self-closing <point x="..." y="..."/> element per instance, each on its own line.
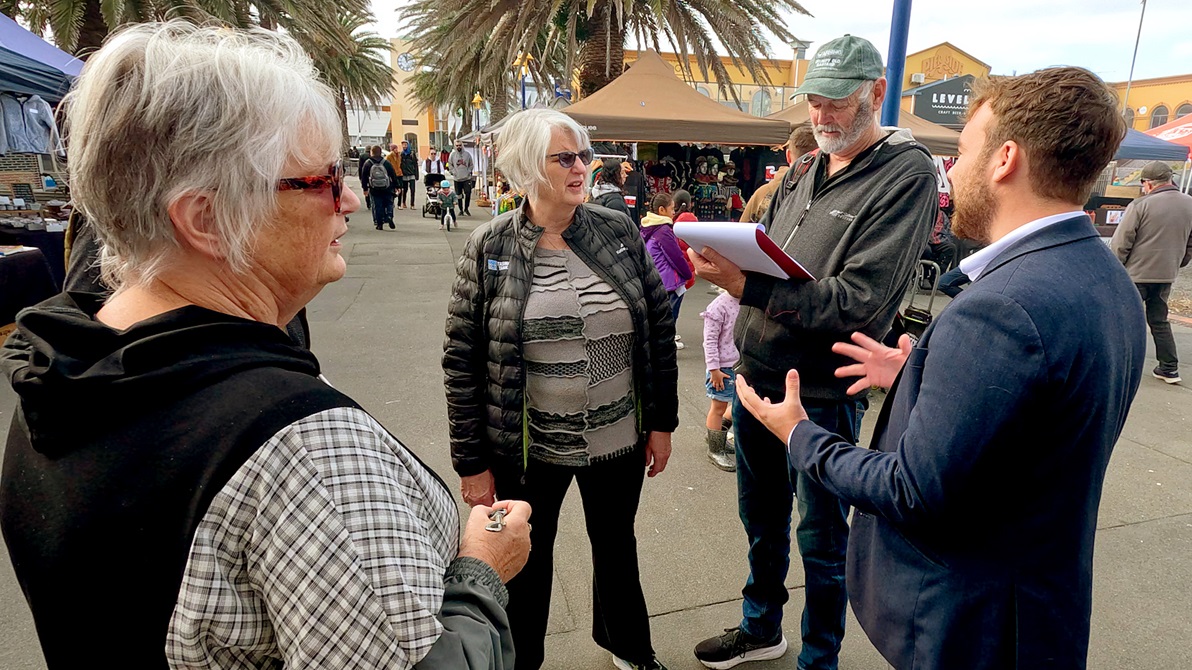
<point x="92" y="32"/>
<point x="602" y="55"/>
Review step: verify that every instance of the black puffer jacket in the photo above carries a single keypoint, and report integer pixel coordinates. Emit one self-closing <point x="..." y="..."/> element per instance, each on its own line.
<point x="409" y="165"/>
<point x="485" y="372"/>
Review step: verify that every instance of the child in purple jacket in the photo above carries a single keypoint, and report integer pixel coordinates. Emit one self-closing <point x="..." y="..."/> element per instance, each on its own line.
<point x="720" y="355"/>
<point x="659" y="234"/>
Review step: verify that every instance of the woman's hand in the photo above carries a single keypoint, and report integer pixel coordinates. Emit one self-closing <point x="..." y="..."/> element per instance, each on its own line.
<point x="506" y="551"/>
<point x="479" y="489"/>
<point x="877" y="364"/>
<point x="718" y="378"/>
<point x="658" y="451"/>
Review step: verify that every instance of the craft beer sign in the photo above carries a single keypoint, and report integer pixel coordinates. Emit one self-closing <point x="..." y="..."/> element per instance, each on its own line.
<point x="944" y="102"/>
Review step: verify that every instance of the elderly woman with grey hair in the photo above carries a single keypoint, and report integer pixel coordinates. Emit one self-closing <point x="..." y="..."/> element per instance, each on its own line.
<point x="560" y="365"/>
<point x="180" y="488"/>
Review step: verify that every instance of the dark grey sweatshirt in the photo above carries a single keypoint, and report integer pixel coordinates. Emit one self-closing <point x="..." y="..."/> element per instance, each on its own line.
<point x="860" y="236"/>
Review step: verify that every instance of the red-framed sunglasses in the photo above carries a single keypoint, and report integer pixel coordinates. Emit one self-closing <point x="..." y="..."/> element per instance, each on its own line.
<point x="335" y="180"/>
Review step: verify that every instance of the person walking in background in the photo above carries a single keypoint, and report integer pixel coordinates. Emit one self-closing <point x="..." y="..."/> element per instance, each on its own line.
<point x="801" y="141"/>
<point x="362" y="174"/>
<point x="659" y="234"/>
<point x="382" y="180"/>
<point x="857" y="218"/>
<point x="1027" y="377"/>
<point x="560" y="365"/>
<point x="608" y="189"/>
<point x="1153" y="241"/>
<point x="394" y="158"/>
<point x="462" y="169"/>
<point x="720" y="355"/>
<point x="409" y="173"/>
<point x="432" y="164"/>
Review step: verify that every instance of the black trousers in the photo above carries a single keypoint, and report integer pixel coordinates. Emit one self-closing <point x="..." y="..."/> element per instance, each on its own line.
<point x="1154" y="298"/>
<point x="464" y="187"/>
<point x="610" y="491"/>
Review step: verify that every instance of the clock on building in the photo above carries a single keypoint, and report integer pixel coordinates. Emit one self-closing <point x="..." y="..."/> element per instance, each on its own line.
<point x="406" y="62"/>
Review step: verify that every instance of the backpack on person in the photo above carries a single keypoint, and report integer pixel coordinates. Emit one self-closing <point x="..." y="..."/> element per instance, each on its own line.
<point x="378" y="176"/>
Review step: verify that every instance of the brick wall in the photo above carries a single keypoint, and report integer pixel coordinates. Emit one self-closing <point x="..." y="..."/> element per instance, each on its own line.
<point x="18" y="169"/>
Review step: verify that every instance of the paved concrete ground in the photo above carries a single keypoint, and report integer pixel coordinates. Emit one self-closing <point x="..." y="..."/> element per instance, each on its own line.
<point x="379" y="333"/>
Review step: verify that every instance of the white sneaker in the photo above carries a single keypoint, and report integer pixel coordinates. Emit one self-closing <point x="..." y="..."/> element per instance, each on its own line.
<point x="679" y="344"/>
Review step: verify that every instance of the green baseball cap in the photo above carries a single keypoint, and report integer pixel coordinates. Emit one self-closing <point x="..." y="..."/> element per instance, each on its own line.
<point x="840" y="67"/>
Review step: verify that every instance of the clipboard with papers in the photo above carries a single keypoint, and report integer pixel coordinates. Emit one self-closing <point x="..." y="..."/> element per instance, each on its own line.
<point x="745" y="244"/>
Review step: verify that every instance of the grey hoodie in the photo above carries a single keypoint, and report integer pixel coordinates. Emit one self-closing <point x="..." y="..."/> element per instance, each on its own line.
<point x="861" y="237"/>
<point x="460" y="165"/>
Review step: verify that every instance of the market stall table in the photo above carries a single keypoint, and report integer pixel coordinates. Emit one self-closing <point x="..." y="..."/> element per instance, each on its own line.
<point x="27" y="281"/>
<point x="52" y="245"/>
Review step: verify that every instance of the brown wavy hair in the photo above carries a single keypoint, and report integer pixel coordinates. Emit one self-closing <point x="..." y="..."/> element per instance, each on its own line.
<point x="1066" y="120"/>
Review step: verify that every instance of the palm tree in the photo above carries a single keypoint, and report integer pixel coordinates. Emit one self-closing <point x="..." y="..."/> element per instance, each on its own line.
<point x="359" y="74"/>
<point x="432" y="90"/>
<point x="555" y="31"/>
<point x="80" y="26"/>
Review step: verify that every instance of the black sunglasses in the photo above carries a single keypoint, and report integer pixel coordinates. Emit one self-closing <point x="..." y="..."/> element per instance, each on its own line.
<point x="567" y="158"/>
<point x="335" y="180"/>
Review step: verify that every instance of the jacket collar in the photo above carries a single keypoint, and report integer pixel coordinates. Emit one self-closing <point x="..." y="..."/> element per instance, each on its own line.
<point x="1077" y="228"/>
<point x="529" y="232"/>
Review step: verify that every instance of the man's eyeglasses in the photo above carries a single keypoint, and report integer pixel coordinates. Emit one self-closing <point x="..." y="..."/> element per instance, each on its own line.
<point x="335" y="180"/>
<point x="567" y="158"/>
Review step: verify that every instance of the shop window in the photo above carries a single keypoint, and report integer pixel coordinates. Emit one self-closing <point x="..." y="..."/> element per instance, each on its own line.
<point x="761" y="103"/>
<point x="704" y="90"/>
<point x="1183" y="110"/>
<point x="739" y="106"/>
<point x="1129" y="116"/>
<point x="1158" y="116"/>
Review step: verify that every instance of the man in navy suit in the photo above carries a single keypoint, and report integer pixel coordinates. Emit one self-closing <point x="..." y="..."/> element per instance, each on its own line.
<point x="972" y="544"/>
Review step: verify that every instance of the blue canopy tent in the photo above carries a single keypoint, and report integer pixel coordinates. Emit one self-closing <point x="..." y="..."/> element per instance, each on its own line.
<point x="1140" y="146"/>
<point x="22" y="75"/>
<point x="14" y="37"/>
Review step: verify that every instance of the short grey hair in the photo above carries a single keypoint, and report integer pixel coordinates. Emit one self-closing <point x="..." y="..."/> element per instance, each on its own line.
<point x="164" y="110"/>
<point x="524" y="142"/>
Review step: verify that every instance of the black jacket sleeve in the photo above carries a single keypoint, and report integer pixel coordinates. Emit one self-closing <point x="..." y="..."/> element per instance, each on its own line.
<point x="464" y="356"/>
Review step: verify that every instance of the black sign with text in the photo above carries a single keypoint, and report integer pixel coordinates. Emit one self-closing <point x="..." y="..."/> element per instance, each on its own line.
<point x="944" y="102"/>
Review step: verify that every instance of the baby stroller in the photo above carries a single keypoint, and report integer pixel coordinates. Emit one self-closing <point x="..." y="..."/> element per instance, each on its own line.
<point x="433" y="206"/>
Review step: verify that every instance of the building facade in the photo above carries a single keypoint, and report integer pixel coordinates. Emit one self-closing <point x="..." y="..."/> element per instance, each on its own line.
<point x="1153" y="102"/>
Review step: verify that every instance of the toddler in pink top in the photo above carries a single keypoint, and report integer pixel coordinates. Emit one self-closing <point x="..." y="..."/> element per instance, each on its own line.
<point x="720" y="355"/>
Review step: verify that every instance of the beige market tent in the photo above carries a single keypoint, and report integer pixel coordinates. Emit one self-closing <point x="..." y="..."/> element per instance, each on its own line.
<point x="648" y="103"/>
<point x="939" y="140"/>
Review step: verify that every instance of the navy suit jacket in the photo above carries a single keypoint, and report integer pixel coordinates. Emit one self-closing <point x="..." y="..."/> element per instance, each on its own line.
<point x="972" y="544"/>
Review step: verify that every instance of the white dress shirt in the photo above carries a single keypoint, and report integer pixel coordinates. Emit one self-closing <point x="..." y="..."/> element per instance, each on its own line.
<point x="974" y="265"/>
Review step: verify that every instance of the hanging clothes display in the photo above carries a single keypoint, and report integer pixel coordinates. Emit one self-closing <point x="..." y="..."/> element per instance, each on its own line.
<point x="28" y="126"/>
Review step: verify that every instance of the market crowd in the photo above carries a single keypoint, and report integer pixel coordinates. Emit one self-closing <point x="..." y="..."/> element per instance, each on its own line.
<point x="178" y="459"/>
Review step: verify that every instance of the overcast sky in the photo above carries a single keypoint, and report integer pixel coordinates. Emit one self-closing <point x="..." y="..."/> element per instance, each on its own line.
<point x="1011" y="35"/>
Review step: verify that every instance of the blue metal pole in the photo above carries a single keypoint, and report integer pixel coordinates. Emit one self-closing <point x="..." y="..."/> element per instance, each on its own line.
<point x="896" y="61"/>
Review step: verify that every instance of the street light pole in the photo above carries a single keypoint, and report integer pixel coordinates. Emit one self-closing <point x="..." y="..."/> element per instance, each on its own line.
<point x="1130" y="80"/>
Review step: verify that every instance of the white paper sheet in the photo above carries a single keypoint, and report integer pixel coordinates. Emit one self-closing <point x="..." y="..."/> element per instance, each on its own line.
<point x="741" y="243"/>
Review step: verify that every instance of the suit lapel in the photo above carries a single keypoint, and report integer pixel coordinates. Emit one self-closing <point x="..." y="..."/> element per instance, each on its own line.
<point x="1064" y="232"/>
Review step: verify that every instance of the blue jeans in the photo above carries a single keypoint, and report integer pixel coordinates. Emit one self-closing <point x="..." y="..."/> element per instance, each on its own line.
<point x="676" y="301"/>
<point x="766" y="487"/>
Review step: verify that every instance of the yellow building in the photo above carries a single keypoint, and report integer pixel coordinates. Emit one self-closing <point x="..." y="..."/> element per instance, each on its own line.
<point x="1153" y="102"/>
<point x="942" y="61"/>
<point x="420" y="128"/>
<point x="755" y="97"/>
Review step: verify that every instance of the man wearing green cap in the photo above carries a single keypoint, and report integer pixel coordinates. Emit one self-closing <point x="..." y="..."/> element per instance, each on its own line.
<point x="1153" y="241"/>
<point x="857" y="215"/>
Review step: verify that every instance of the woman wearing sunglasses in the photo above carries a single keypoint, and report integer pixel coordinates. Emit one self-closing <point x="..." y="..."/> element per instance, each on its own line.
<point x="560" y="365"/>
<point x="176" y="457"/>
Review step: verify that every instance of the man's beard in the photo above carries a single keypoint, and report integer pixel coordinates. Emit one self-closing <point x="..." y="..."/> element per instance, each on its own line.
<point x="861" y="123"/>
<point x="975" y="209"/>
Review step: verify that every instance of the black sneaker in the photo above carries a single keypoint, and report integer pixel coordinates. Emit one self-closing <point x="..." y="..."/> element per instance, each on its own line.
<point x="1172" y="377"/>
<point x="391" y="226"/>
<point x="736" y="647"/>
